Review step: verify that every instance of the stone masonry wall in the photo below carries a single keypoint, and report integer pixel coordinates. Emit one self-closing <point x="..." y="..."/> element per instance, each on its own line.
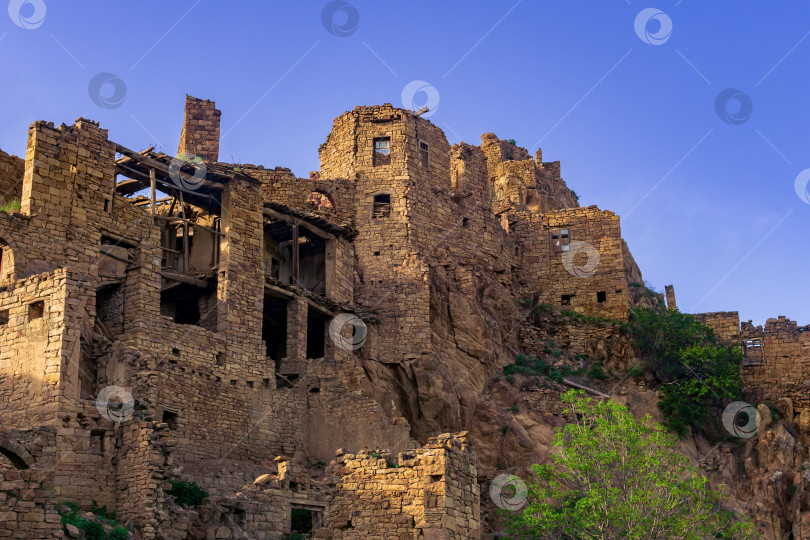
<point x="200" y="136"/>
<point x="12" y="169"/>
<point x="431" y="492"/>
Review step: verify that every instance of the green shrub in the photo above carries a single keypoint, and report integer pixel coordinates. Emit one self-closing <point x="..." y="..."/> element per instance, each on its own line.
<point x="187" y="493"/>
<point x="596" y="372"/>
<point x="514" y="408"/>
<point x="699" y="374"/>
<point x="94" y="531"/>
<point x="119" y="533"/>
<point x="635" y="371"/>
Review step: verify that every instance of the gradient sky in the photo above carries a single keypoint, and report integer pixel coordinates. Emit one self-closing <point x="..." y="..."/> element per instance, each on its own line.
<point x="707" y="204"/>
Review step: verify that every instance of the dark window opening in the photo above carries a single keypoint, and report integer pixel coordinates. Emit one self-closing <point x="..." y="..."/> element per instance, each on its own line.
<point x="565" y="299"/>
<point x="220" y="359"/>
<point x="4" y="317"/>
<point x="465" y="222"/>
<point x="753" y="353"/>
<point x="312" y="263"/>
<point x="561" y="239"/>
<point x="601" y="297"/>
<point x="175" y="352"/>
<point x="376" y="253"/>
<point x="315" y="390"/>
<point x="316" y="334"/>
<point x="382" y="205"/>
<point x="36" y="310"/>
<point x="303" y="520"/>
<point x="436" y="477"/>
<point x="424" y="155"/>
<point x="274" y="327"/>
<point x="110" y="310"/>
<point x="250" y="384"/>
<point x="382" y="151"/>
<point x="170" y="418"/>
<point x="189" y="304"/>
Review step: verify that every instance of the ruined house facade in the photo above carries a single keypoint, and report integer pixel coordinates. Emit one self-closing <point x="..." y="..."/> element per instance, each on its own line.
<point x="178" y="317"/>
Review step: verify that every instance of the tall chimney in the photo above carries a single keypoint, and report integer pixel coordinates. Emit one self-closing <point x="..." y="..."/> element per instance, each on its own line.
<point x="670" y="292"/>
<point x="200" y="135"/>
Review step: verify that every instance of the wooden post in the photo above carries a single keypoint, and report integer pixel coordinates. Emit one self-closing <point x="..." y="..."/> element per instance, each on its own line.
<point x="152" y="182"/>
<point x="295" y="254"/>
<point x="185" y="233"/>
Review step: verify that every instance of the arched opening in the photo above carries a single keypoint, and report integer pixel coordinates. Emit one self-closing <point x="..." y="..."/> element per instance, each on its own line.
<point x="320" y="201"/>
<point x="16" y="455"/>
<point x="532" y="201"/>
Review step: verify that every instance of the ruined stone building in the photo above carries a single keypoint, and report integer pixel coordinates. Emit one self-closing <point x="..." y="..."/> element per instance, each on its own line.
<point x="261" y="322"/>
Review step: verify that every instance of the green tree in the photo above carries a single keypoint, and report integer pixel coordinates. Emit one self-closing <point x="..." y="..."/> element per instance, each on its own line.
<point x="699" y="375"/>
<point x="616" y="477"/>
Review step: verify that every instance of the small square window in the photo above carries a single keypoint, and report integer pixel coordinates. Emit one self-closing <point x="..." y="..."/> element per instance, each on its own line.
<point x="753" y="354"/>
<point x="382" y="205"/>
<point x="601" y="297"/>
<point x="565" y="299"/>
<point x="170" y="418"/>
<point x="561" y="239"/>
<point x="424" y="155"/>
<point x="382" y="151"/>
<point x="36" y="310"/>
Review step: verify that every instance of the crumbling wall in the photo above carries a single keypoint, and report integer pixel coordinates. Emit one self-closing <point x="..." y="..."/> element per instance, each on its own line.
<point x="200" y="136"/>
<point x="726" y="324"/>
<point x="583" y="271"/>
<point x="431" y="491"/>
<point x="784" y="370"/>
<point x="12" y="170"/>
<point x="31" y="345"/>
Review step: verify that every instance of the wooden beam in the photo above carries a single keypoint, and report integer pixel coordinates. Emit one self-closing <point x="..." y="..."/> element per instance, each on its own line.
<point x="160" y="167"/>
<point x="269" y="212"/>
<point x="183" y="278"/>
<point x="282" y="292"/>
<point x="193" y="224"/>
<point x="294" y="248"/>
<point x="152" y="184"/>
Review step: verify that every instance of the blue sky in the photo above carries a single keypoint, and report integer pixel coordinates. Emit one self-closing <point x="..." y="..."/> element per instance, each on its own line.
<point x="708" y="205"/>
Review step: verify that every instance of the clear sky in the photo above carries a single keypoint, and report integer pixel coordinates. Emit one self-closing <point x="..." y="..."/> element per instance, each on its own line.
<point x="633" y="103"/>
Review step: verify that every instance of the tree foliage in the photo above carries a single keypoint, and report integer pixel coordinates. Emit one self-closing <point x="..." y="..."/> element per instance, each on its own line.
<point x="616" y="477"/>
<point x="698" y="373"/>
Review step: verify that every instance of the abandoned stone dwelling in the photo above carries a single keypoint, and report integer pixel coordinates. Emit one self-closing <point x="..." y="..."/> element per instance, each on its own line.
<point x="261" y="322"/>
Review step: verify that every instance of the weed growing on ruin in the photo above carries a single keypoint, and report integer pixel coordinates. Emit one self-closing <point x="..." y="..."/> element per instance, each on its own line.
<point x="187" y="493"/>
<point x="618" y="477"/>
<point x="11" y="206"/>
<point x="504" y="429"/>
<point x="635" y="372"/>
<point x="535" y="366"/>
<point x="514" y="408"/>
<point x="596" y="372"/>
<point x="71" y="515"/>
<point x="697" y="373"/>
